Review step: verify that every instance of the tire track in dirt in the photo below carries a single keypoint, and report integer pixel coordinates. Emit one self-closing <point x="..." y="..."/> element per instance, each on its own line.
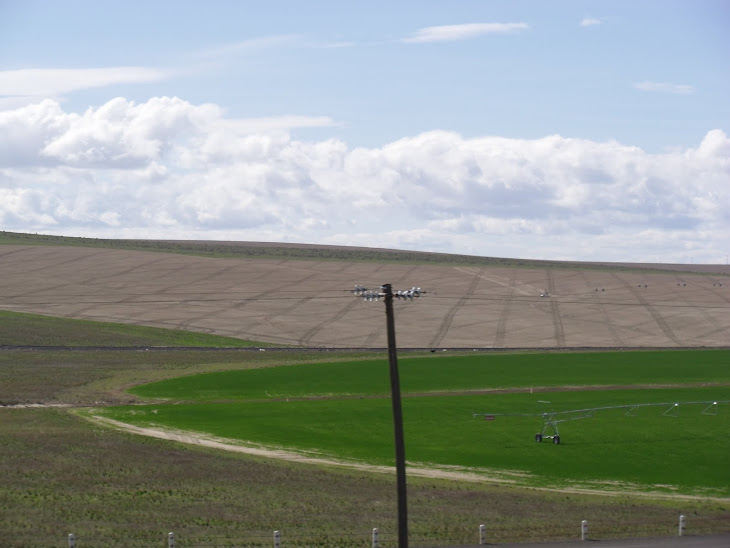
<point x="720" y="295"/>
<point x="135" y="297"/>
<point x="189" y="283"/>
<point x="83" y="282"/>
<point x="76" y="258"/>
<point x="717" y="283"/>
<point x="269" y="320"/>
<point x="242" y="303"/>
<point x="617" y="340"/>
<point x="163" y="293"/>
<point x="501" y="333"/>
<point x="310" y="334"/>
<point x="446" y="323"/>
<point x="118" y="273"/>
<point x="8" y="252"/>
<point x="660" y="321"/>
<point x="712" y="322"/>
<point x="54" y="265"/>
<point x="715" y="332"/>
<point x="555" y="310"/>
<point x="374" y="336"/>
<point x="95" y="279"/>
<point x="132" y="298"/>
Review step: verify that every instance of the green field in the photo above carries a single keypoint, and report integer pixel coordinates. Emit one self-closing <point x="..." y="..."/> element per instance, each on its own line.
<point x="453" y="373"/>
<point x="341" y="411"/>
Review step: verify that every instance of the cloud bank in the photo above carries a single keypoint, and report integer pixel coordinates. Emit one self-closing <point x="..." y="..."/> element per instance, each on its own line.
<point x="170" y="169"/>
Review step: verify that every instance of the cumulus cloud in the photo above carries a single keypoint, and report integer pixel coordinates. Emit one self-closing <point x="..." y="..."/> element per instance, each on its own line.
<point x="170" y="169"/>
<point x="451" y="33"/>
<point x="664" y="87"/>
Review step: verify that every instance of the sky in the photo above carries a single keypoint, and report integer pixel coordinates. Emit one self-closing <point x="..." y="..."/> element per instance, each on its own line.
<point x="566" y="130"/>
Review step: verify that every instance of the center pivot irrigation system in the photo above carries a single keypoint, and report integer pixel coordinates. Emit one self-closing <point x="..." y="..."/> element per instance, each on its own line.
<point x="551" y="419"/>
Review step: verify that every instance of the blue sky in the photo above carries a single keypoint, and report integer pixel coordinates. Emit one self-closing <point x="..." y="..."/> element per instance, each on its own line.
<point x="510" y="128"/>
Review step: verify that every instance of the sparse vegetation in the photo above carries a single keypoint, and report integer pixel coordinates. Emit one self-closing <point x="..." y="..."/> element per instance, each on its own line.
<point x="20" y="329"/>
<point x="62" y="474"/>
<point x="305" y="252"/>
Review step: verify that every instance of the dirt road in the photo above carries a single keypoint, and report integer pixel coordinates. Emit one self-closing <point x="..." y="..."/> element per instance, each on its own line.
<point x="478" y="475"/>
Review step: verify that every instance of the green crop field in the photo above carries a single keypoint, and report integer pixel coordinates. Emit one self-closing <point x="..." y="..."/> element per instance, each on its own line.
<point x="453" y="373"/>
<point x="341" y="411"/>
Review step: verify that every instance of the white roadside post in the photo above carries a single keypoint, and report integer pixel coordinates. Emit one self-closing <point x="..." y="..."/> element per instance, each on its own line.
<point x="681" y="525"/>
<point x="482" y="534"/>
<point x="375" y="537"/>
<point x="584" y="529"/>
<point x="71" y="540"/>
<point x="277" y="539"/>
<point x="170" y="540"/>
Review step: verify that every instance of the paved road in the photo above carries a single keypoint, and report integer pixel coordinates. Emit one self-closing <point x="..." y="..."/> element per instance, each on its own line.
<point x="709" y="541"/>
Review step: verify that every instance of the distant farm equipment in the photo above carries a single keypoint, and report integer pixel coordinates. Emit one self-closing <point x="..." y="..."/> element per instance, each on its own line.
<point x="551" y="419"/>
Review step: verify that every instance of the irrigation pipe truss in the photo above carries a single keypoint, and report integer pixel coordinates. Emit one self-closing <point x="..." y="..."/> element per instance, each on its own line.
<point x="588" y="412"/>
<point x="551" y="419"/>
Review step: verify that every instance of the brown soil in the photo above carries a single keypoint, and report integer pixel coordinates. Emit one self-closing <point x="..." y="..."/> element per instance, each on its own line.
<point x="308" y="302"/>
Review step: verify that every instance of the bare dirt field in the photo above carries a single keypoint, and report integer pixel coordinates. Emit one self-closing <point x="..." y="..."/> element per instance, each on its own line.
<point x="308" y="302"/>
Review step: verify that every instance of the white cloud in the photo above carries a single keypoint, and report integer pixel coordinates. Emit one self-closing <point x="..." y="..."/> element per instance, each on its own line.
<point x="169" y="169"/>
<point x="590" y="22"/>
<point x="122" y="134"/>
<point x="55" y="82"/>
<point x="249" y="46"/>
<point x="273" y="123"/>
<point x="663" y="87"/>
<point x="451" y="33"/>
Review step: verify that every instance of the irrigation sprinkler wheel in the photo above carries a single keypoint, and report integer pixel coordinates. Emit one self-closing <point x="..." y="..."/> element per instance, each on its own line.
<point x="556" y="440"/>
<point x="538" y="437"/>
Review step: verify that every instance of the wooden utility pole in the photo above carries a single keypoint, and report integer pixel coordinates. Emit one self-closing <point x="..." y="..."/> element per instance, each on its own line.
<point x="400" y="451"/>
